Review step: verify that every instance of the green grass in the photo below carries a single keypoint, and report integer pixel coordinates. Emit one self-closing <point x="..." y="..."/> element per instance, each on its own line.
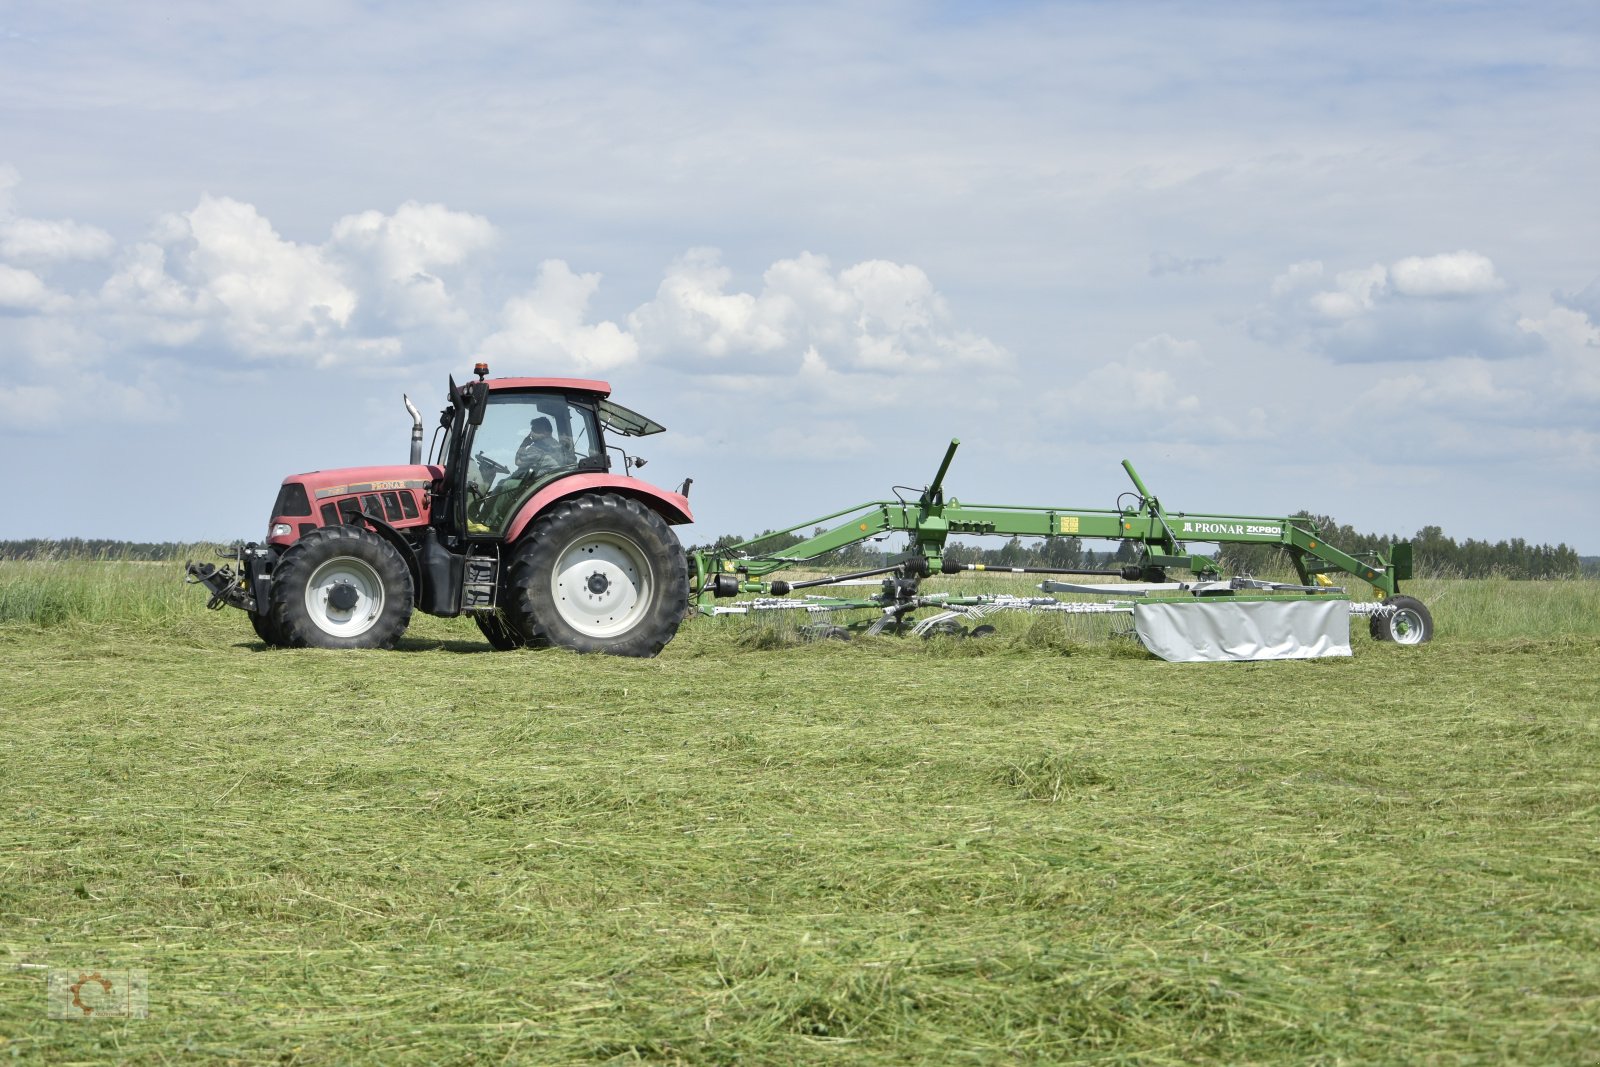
<point x="1044" y="847"/>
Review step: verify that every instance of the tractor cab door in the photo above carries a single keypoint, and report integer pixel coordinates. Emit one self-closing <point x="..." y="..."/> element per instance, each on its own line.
<point x="526" y="441"/>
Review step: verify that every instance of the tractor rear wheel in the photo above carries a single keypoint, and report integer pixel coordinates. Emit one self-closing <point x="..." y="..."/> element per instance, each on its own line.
<point x="1410" y="623"/>
<point x="499" y="632"/>
<point x="341" y="587"/>
<point x="598" y="572"/>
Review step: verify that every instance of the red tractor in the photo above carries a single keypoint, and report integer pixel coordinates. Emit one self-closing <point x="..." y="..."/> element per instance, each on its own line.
<point x="517" y="520"/>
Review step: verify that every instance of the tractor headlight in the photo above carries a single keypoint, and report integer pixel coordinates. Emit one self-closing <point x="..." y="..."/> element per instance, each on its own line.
<point x="280" y="529"/>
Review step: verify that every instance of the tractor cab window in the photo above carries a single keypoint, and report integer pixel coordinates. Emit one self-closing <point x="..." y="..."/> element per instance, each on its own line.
<point x="526" y="440"/>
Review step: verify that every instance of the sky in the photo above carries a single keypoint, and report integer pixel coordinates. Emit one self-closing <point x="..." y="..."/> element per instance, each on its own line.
<point x="1341" y="257"/>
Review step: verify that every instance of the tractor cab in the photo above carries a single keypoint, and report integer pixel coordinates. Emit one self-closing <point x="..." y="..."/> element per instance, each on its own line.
<point x="505" y="439"/>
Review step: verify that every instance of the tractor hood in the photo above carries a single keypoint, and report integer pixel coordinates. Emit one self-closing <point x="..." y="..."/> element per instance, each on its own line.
<point x="343" y="481"/>
<point x="398" y="494"/>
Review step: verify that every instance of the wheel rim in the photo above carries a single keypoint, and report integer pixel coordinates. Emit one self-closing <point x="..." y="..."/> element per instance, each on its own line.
<point x="1406" y="627"/>
<point x="333" y="585"/>
<point x="603" y="584"/>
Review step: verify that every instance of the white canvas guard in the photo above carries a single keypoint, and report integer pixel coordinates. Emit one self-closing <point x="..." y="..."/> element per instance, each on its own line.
<point x="1212" y="630"/>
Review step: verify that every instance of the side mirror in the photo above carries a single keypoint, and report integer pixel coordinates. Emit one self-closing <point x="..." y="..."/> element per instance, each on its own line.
<point x="478" y="403"/>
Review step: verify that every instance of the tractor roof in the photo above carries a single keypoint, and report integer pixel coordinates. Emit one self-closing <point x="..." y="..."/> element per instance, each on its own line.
<point x="580" y="385"/>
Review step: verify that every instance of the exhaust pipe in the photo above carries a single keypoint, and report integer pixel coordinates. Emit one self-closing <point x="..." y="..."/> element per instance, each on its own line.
<point x="416" y="430"/>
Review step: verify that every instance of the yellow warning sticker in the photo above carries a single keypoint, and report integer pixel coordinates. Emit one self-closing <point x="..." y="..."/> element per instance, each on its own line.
<point x="1069" y="524"/>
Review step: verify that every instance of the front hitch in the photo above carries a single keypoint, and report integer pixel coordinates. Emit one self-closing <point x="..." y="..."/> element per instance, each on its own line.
<point x="226" y="587"/>
<point x="237" y="583"/>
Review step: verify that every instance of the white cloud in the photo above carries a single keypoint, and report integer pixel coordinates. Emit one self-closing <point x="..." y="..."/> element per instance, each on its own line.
<point x="1454" y="385"/>
<point x="1586" y="300"/>
<point x="30" y="406"/>
<point x="398" y="260"/>
<point x="141" y="282"/>
<point x="416" y="239"/>
<point x="873" y="317"/>
<point x="1449" y="274"/>
<point x="1574" y="342"/>
<point x="1417" y="308"/>
<point x="1157" y="390"/>
<point x="1147" y="378"/>
<point x="546" y="328"/>
<point x="692" y="315"/>
<point x="1298" y="276"/>
<point x="279" y="297"/>
<point x="23" y="290"/>
<point x="53" y="241"/>
<point x="45" y="240"/>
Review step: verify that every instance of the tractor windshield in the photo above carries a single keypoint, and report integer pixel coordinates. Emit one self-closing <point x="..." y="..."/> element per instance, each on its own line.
<point x="526" y="440"/>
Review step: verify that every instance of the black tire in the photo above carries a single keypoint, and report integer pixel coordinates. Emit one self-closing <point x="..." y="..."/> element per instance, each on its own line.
<point x="499" y="631"/>
<point x="1410" y="623"/>
<point x="341" y="587"/>
<point x="266" y="629"/>
<point x="948" y="628"/>
<point x="630" y="601"/>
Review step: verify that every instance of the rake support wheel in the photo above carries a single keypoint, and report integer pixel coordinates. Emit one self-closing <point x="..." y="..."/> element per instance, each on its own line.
<point x="1410" y="623"/>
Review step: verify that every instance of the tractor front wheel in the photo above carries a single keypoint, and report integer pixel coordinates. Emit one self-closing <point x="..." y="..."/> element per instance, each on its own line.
<point x="599" y="573"/>
<point x="1410" y="623"/>
<point x="266" y="629"/>
<point x="341" y="587"/>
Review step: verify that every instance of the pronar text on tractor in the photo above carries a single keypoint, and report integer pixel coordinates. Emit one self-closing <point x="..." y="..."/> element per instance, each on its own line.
<point x="519" y="520"/>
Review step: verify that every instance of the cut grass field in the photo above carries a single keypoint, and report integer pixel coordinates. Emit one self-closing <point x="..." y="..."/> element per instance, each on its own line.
<point x="1042" y="847"/>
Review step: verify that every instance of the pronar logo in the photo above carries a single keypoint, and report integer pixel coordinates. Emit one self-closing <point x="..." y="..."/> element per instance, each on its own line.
<point x="1232" y="529"/>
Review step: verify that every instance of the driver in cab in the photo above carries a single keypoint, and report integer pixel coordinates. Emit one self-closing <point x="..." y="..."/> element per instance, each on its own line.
<point x="539" y="452"/>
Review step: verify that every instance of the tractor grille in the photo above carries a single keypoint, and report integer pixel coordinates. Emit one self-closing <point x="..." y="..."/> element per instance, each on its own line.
<point x="391" y="506"/>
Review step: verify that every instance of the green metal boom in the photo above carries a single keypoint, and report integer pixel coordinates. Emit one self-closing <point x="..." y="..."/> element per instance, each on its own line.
<point x="931" y="519"/>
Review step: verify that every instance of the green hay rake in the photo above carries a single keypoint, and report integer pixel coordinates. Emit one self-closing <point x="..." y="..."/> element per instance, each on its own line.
<point x="1182" y="607"/>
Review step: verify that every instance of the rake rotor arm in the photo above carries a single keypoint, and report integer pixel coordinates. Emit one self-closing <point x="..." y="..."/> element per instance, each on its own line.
<point x="931" y="519"/>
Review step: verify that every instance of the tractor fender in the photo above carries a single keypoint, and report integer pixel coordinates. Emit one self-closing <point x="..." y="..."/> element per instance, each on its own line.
<point x="670" y="506"/>
<point x="397" y="540"/>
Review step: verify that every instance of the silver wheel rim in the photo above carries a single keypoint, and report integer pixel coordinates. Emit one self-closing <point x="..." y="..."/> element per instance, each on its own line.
<point x="341" y="622"/>
<point x="1405" y="626"/>
<point x="603" y="584"/>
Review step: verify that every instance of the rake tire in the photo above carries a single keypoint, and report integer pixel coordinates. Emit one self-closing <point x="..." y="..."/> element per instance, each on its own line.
<point x="1410" y="623"/>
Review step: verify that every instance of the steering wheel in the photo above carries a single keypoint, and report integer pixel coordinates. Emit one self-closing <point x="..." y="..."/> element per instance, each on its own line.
<point x="490" y="464"/>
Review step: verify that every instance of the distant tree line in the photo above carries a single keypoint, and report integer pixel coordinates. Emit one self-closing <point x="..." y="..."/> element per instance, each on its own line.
<point x="98" y="548"/>
<point x="1435" y="554"/>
